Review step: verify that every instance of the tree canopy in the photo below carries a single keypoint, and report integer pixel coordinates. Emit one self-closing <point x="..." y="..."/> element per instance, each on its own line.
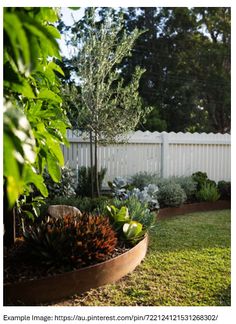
<point x="102" y="103"/>
<point x="186" y="55"/>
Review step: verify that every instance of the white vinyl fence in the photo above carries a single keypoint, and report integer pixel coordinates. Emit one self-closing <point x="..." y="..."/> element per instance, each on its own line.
<point x="167" y="154"/>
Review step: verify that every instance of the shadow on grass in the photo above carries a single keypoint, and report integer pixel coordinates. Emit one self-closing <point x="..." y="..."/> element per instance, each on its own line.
<point x="223" y="297"/>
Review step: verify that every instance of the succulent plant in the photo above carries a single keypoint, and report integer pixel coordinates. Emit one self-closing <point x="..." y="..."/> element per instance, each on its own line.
<point x="129" y="231"/>
<point x="94" y="239"/>
<point x="71" y="241"/>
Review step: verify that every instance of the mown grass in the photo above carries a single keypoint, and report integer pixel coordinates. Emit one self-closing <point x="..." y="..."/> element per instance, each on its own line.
<point x="187" y="264"/>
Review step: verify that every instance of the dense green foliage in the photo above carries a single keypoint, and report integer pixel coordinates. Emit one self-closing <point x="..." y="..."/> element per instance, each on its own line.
<point x="84" y="186"/>
<point x="186" y="54"/>
<point x="34" y="121"/>
<point x="188" y="264"/>
<point x="71" y="241"/>
<point x="84" y="204"/>
<point x="224" y="188"/>
<point x="65" y="187"/>
<point x="206" y="189"/>
<point x="200" y="178"/>
<point x="208" y="192"/>
<point x="143" y="179"/>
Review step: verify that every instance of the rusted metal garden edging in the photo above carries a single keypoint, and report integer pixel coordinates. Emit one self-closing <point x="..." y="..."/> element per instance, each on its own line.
<point x="195" y="207"/>
<point x="53" y="288"/>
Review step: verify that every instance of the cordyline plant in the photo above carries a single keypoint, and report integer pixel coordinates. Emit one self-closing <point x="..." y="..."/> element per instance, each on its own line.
<point x="107" y="108"/>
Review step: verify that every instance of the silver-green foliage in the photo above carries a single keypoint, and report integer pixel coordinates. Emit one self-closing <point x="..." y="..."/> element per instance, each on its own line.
<point x="171" y="194"/>
<point x="143" y="179"/>
<point x="138" y="211"/>
<point x="186" y="183"/>
<point x="108" y="107"/>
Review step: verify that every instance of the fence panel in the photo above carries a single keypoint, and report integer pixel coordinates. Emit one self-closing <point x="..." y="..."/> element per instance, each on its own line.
<point x="167" y="154"/>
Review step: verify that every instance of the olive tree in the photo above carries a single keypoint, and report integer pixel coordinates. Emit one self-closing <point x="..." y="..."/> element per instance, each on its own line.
<point x="102" y="103"/>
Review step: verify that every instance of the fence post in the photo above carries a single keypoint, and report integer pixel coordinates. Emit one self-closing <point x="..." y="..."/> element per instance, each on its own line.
<point x="165" y="155"/>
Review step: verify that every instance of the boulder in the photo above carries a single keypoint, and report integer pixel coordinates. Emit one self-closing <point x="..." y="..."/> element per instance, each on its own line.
<point x="58" y="211"/>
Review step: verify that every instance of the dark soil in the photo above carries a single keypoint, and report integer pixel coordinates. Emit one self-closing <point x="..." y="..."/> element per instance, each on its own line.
<point x="19" y="266"/>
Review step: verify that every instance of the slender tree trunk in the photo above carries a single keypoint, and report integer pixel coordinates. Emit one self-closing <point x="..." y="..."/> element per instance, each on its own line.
<point x="96" y="165"/>
<point x="91" y="163"/>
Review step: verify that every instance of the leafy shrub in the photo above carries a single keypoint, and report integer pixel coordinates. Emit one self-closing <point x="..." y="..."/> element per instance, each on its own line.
<point x="84" y="204"/>
<point x="208" y="192"/>
<point x="171" y="194"/>
<point x="71" y="241"/>
<point x="187" y="184"/>
<point x="224" y="188"/>
<point x="143" y="179"/>
<point x="138" y="211"/>
<point x="66" y="186"/>
<point x="84" y="181"/>
<point x="201" y="179"/>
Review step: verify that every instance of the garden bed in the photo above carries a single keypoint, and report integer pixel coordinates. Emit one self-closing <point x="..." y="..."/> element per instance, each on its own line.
<point x="195" y="207"/>
<point x="38" y="291"/>
<point x="187" y="264"/>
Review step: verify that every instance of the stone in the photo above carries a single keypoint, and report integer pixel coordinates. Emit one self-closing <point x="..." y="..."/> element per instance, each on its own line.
<point x="58" y="211"/>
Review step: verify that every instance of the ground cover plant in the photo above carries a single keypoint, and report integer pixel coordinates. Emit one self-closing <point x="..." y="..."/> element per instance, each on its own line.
<point x="188" y="264"/>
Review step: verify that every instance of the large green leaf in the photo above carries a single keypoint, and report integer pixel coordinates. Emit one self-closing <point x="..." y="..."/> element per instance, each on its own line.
<point x="53" y="168"/>
<point x="48" y="94"/>
<point x="52" y="65"/>
<point x="14" y="184"/>
<point x="45" y="36"/>
<point x="55" y="147"/>
<point x="21" y="87"/>
<point x="19" y="43"/>
<point x="47" y="14"/>
<point x="31" y="177"/>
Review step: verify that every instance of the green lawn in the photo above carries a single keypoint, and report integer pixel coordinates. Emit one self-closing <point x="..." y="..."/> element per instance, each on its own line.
<point x="188" y="264"/>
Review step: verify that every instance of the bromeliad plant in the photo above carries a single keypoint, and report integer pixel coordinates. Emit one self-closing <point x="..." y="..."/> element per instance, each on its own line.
<point x="129" y="231"/>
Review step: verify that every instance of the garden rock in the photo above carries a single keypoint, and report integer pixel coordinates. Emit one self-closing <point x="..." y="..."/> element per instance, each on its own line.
<point x="58" y="211"/>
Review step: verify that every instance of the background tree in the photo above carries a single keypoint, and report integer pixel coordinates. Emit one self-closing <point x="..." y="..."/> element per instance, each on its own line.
<point x="34" y="121"/>
<point x="186" y="54"/>
<point x="103" y="103"/>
